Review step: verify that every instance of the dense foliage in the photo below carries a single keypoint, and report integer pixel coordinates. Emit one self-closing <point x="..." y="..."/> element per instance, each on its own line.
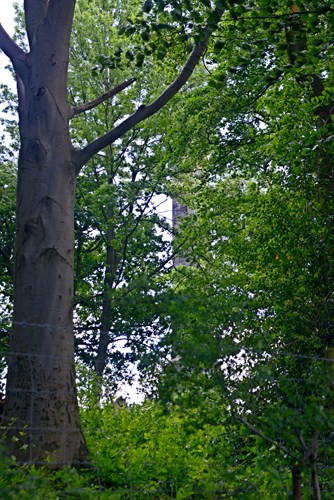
<point x="146" y="452"/>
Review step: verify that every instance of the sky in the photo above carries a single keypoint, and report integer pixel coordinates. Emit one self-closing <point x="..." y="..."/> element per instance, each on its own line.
<point x="7" y="14"/>
<point x="7" y="21"/>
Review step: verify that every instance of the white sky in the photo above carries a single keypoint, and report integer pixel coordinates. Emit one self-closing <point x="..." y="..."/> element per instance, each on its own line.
<point x="7" y="21"/>
<point x="7" y="14"/>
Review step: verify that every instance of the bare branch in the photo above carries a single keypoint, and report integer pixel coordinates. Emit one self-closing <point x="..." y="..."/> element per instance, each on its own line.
<point x="301" y="440"/>
<point x="311" y="452"/>
<point x="268" y="439"/>
<point x="144" y="112"/>
<point x="102" y="98"/>
<point x="11" y="49"/>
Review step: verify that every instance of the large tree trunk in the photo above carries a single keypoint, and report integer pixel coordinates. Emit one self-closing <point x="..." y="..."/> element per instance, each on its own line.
<point x="41" y="390"/>
<point x="41" y="387"/>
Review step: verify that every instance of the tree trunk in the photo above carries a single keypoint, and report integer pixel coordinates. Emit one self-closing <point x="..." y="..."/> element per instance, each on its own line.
<point x="296" y="482"/>
<point x="109" y="278"/>
<point x="41" y="390"/>
<point x="41" y="402"/>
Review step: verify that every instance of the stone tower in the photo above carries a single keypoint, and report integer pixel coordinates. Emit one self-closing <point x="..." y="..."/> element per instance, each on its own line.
<point x="179" y="211"/>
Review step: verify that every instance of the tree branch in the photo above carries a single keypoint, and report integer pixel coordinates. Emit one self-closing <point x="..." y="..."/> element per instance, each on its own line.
<point x="11" y="49"/>
<point x="144" y="112"/>
<point x="266" y="438"/>
<point x="102" y="98"/>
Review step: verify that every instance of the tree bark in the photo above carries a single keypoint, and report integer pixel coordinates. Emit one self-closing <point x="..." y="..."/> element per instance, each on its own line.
<point x="110" y="272"/>
<point x="41" y="407"/>
<point x="296" y="482"/>
<point x="41" y="391"/>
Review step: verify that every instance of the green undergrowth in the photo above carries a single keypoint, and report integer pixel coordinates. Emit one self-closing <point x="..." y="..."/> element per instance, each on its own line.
<point x="144" y="451"/>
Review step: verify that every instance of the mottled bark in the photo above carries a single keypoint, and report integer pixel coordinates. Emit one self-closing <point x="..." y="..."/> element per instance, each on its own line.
<point x="41" y="403"/>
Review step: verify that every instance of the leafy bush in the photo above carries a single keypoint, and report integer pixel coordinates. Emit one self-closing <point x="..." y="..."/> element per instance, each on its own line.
<point x="144" y="451"/>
